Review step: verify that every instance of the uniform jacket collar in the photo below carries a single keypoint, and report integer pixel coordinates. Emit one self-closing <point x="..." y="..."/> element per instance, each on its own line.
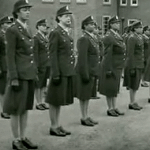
<point x="115" y="34"/>
<point x="42" y="37"/>
<point x="63" y="32"/>
<point x="23" y="30"/>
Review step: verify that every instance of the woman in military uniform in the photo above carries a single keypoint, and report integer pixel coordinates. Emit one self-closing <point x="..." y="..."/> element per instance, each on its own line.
<point x="60" y="90"/>
<point x="112" y="65"/>
<point x="87" y="68"/>
<point x="134" y="63"/>
<point x="42" y="58"/>
<point x="146" y="34"/>
<point x="21" y="73"/>
<point x="5" y="22"/>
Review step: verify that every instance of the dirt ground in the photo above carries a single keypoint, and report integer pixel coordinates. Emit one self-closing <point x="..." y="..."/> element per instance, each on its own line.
<point x="129" y="132"/>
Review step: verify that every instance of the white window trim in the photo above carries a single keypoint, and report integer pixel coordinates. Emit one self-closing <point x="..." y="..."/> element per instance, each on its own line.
<point x="121" y="4"/>
<point x="47" y="1"/>
<point x="104" y="16"/>
<point x="81" y="2"/>
<point x="131" y="20"/>
<point x="64" y="1"/>
<point x="107" y="3"/>
<point x="131" y="3"/>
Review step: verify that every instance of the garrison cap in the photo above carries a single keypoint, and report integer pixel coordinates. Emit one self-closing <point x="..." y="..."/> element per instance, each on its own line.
<point x="136" y="24"/>
<point x="113" y="19"/>
<point x="146" y="28"/>
<point x="6" y="19"/>
<point x="88" y="20"/>
<point x="63" y="10"/>
<point x="42" y="22"/>
<point x="21" y="4"/>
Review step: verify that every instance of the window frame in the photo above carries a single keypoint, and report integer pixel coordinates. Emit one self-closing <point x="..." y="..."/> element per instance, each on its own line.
<point x="78" y="2"/>
<point x="134" y="5"/>
<point x="131" y="20"/>
<point x="106" y="3"/>
<point x="103" y="28"/>
<point x="63" y="2"/>
<point x="47" y="1"/>
<point x="121" y="4"/>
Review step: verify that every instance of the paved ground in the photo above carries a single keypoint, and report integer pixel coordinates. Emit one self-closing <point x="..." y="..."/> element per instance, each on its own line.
<point x="129" y="132"/>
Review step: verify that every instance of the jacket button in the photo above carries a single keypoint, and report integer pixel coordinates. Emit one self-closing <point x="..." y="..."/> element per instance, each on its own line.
<point x="31" y="54"/>
<point x="48" y="56"/>
<point x="31" y="47"/>
<point x="31" y="61"/>
<point x="71" y="62"/>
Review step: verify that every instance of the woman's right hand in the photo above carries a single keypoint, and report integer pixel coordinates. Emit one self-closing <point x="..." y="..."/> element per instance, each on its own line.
<point x="15" y="85"/>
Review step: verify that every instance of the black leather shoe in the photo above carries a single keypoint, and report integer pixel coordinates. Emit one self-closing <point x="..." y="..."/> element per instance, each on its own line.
<point x="44" y="106"/>
<point x="28" y="144"/>
<point x="5" y="115"/>
<point x="17" y="145"/>
<point x="87" y="122"/>
<point x="112" y="113"/>
<point x="144" y="84"/>
<point x="148" y="100"/>
<point x="134" y="107"/>
<point x="92" y="121"/>
<point x="40" y="107"/>
<point x="64" y="131"/>
<point x="118" y="112"/>
<point x="57" y="132"/>
<point x="138" y="105"/>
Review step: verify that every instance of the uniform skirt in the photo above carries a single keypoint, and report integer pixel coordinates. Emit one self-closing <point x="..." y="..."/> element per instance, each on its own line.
<point x="17" y="102"/>
<point x="84" y="90"/>
<point x="62" y="94"/>
<point x="42" y="78"/>
<point x="3" y="80"/>
<point x="147" y="71"/>
<point x="132" y="82"/>
<point x="109" y="86"/>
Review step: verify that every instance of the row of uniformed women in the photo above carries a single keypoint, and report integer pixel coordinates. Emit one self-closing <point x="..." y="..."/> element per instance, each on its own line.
<point x="22" y="71"/>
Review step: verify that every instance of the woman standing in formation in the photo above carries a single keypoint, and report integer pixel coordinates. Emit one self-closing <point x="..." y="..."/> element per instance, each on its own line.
<point x="21" y="73"/>
<point x="42" y="58"/>
<point x="87" y="68"/>
<point x="112" y="65"/>
<point x="146" y="34"/>
<point x="134" y="63"/>
<point x="5" y="23"/>
<point x="146" y="40"/>
<point x="60" y="91"/>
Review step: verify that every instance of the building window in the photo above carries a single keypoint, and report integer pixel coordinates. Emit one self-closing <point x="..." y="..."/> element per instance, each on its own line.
<point x="65" y="1"/>
<point x="105" y="24"/>
<point x="107" y="2"/>
<point x="123" y="2"/>
<point x="81" y="1"/>
<point x="47" y="1"/>
<point x="134" y="2"/>
<point x="130" y="21"/>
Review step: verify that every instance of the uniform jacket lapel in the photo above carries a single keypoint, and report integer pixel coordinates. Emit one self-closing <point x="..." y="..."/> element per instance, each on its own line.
<point x="24" y="31"/>
<point x="64" y="33"/>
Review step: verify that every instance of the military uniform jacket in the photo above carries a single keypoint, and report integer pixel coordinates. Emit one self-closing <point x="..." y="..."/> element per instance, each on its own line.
<point x="41" y="50"/>
<point x="88" y="56"/>
<point x="3" y="66"/>
<point x="135" y="51"/>
<point x="20" y="57"/>
<point x="114" y="51"/>
<point x="61" y="53"/>
<point x="146" y="47"/>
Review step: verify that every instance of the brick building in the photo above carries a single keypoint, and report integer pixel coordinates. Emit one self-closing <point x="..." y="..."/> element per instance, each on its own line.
<point x="102" y="10"/>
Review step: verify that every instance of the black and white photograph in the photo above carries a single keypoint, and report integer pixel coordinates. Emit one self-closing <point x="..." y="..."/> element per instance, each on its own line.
<point x="74" y="74"/>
